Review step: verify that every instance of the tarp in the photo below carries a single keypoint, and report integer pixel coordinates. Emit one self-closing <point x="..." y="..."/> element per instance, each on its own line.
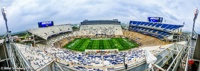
<point x="150" y="58"/>
<point x="1" y="41"/>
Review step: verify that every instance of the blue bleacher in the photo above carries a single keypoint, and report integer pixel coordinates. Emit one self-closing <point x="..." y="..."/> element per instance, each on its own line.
<point x="160" y="37"/>
<point x="170" y="26"/>
<point x="142" y="23"/>
<point x="150" y="24"/>
<point x="146" y="23"/>
<point x="165" y="34"/>
<point x="165" y="31"/>
<point x="164" y="25"/>
<point x="160" y="33"/>
<point x="152" y="34"/>
<point x="154" y="24"/>
<point x="133" y="22"/>
<point x="154" y="31"/>
<point x="149" y="30"/>
<point x="138" y="23"/>
<point x="158" y="25"/>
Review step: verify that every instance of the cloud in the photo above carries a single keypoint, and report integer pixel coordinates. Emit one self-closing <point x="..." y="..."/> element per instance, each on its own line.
<point x="24" y="14"/>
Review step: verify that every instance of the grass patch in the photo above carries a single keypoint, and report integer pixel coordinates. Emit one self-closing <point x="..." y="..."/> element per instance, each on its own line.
<point x="80" y="44"/>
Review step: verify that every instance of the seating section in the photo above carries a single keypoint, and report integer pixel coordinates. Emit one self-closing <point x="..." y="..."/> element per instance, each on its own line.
<point x="94" y="22"/>
<point x="157" y="30"/>
<point x="151" y="32"/>
<point x="166" y="27"/>
<point x="35" y="56"/>
<point x="63" y="42"/>
<point x="47" y="32"/>
<point x="42" y="56"/>
<point x="101" y="29"/>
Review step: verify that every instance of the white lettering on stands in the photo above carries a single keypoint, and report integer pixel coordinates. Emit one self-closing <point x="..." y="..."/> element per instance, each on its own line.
<point x="46" y="22"/>
<point x="154" y="18"/>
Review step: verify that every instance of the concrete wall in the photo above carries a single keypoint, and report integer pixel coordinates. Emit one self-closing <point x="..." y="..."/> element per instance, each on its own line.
<point x="2" y="52"/>
<point x="3" y="56"/>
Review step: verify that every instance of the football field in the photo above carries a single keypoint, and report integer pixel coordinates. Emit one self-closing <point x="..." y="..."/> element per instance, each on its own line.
<point x="80" y="44"/>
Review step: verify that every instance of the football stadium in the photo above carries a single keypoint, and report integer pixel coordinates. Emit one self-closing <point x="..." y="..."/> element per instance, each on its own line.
<point x="101" y="45"/>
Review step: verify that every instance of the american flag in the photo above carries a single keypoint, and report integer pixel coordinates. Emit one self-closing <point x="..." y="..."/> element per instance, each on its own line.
<point x="4" y="13"/>
<point x="196" y="14"/>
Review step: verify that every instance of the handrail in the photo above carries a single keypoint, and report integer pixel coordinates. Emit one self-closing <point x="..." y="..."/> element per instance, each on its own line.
<point x="188" y="55"/>
<point x="59" y="66"/>
<point x="175" y="59"/>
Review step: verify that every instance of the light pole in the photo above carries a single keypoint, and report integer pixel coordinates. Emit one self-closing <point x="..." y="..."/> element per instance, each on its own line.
<point x="195" y="17"/>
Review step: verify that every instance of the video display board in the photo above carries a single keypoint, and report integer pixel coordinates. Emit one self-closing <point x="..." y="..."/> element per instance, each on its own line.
<point x="45" y="24"/>
<point x="155" y="19"/>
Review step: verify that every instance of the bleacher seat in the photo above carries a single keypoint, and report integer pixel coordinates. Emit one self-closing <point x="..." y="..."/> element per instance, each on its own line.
<point x="148" y="28"/>
<point x="47" y="32"/>
<point x="107" y="29"/>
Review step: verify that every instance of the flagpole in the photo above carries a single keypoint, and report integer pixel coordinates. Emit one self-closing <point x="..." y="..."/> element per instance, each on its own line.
<point x="195" y="17"/>
<point x="4" y="17"/>
<point x="9" y="41"/>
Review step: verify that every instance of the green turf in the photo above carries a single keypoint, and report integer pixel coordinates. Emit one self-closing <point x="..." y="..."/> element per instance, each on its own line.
<point x="80" y="44"/>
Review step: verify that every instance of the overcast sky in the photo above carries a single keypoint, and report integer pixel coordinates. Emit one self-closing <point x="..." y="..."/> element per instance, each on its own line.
<point x="24" y="14"/>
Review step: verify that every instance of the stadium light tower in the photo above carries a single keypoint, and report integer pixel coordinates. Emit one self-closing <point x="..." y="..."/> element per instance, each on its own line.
<point x="4" y="17"/>
<point x="8" y="43"/>
<point x="195" y="17"/>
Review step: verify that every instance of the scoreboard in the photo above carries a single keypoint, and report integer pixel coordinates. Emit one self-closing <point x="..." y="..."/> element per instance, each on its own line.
<point x="155" y="19"/>
<point x="45" y="24"/>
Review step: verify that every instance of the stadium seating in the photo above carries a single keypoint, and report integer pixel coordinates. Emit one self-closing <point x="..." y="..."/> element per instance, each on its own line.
<point x="101" y="27"/>
<point x="157" y="30"/>
<point x="105" y="29"/>
<point x="47" y="32"/>
<point x="57" y="38"/>
<point x="35" y="56"/>
<point x="160" y="26"/>
<point x="40" y="56"/>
